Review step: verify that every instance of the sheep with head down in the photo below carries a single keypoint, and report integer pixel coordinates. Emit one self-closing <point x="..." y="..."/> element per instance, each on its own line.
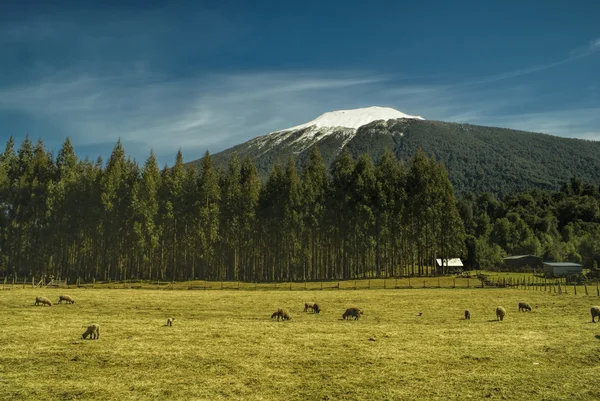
<point x="595" y="311"/>
<point x="524" y="307"/>
<point x="281" y="314"/>
<point x="93" y="331"/>
<point x="65" y="298"/>
<point x="352" y="312"/>
<point x="42" y="301"/>
<point x="500" y="313"/>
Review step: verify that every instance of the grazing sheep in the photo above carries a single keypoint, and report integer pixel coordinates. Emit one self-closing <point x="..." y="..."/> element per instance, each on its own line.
<point x="309" y="305"/>
<point x="500" y="312"/>
<point x="352" y="312"/>
<point x="467" y="315"/>
<point x="170" y="321"/>
<point x="281" y="313"/>
<point x="65" y="298"/>
<point x="93" y="331"/>
<point x="524" y="307"/>
<point x="43" y="301"/>
<point x="595" y="310"/>
<point x="316" y="308"/>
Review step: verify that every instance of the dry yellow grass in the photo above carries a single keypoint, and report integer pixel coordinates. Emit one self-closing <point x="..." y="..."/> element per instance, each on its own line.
<point x="223" y="345"/>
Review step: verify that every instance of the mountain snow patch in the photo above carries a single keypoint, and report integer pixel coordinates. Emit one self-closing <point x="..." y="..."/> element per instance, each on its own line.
<point x="341" y="122"/>
<point x="353" y="118"/>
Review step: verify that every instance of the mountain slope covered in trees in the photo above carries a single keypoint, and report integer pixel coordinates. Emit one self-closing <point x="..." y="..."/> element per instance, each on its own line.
<point x="479" y="159"/>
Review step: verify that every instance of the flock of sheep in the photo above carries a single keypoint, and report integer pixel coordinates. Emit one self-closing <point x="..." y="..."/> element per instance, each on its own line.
<point x="284" y="314"/>
<point x="93" y="330"/>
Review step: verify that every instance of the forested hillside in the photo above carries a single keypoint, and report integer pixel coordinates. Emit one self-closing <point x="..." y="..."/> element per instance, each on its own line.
<point x="558" y="226"/>
<point x="479" y="159"/>
<point x="74" y="218"/>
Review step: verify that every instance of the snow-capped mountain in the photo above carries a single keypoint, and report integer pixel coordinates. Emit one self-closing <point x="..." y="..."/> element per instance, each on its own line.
<point x="342" y="124"/>
<point x="354" y="118"/>
<point x="478" y="159"/>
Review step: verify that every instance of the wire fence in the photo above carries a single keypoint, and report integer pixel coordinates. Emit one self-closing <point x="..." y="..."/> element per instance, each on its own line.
<point x="516" y="281"/>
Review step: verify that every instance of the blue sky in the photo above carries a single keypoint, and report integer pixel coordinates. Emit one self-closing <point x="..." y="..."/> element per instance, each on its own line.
<point x="208" y="75"/>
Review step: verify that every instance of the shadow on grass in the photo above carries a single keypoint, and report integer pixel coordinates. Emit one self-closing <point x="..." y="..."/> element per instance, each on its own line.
<point x="494" y="320"/>
<point x="597" y="336"/>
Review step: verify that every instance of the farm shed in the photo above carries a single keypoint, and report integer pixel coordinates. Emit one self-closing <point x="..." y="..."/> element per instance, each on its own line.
<point x="562" y="268"/>
<point x="450" y="264"/>
<point x="522" y="262"/>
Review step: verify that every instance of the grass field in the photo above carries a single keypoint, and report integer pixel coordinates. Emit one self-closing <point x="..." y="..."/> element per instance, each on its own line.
<point x="223" y="345"/>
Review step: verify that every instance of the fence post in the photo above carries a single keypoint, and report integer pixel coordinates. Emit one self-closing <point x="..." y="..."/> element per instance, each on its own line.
<point x="585" y="288"/>
<point x="93" y="282"/>
<point x="321" y="284"/>
<point x="559" y="289"/>
<point x="597" y="290"/>
<point x="24" y="282"/>
<point x="32" y="281"/>
<point x="575" y="289"/>
<point x="13" y="284"/>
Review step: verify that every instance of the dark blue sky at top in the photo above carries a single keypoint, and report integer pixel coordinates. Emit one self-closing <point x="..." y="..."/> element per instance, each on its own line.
<point x="208" y="75"/>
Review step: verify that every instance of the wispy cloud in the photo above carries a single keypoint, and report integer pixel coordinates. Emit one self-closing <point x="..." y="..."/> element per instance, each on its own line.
<point x="195" y="114"/>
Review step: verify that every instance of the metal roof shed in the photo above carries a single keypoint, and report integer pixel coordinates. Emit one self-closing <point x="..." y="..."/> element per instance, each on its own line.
<point x="562" y="268"/>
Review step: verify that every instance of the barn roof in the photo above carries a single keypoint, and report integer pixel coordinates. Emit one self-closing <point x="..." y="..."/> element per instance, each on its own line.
<point x="562" y="264"/>
<point x="520" y="257"/>
<point x="455" y="262"/>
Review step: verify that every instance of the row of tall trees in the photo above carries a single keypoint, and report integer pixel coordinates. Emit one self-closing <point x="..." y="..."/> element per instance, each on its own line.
<point x="80" y="218"/>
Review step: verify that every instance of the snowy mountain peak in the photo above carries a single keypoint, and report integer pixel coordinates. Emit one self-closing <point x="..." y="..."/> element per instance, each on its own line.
<point x="354" y="118"/>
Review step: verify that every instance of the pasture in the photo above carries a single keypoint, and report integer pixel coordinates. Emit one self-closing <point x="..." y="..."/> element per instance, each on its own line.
<point x="223" y="345"/>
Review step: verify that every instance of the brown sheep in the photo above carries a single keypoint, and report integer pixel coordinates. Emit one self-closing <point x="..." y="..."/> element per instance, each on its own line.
<point x="352" y="312"/>
<point x="524" y="307"/>
<point x="595" y="310"/>
<point x="500" y="312"/>
<point x="170" y="321"/>
<point x="312" y="306"/>
<point x="281" y="313"/>
<point x="93" y="331"/>
<point x="43" y="301"/>
<point x="65" y="298"/>
<point x="467" y="315"/>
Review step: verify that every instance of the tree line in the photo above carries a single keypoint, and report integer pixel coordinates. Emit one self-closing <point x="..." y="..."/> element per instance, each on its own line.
<point x="86" y="219"/>
<point x="559" y="226"/>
